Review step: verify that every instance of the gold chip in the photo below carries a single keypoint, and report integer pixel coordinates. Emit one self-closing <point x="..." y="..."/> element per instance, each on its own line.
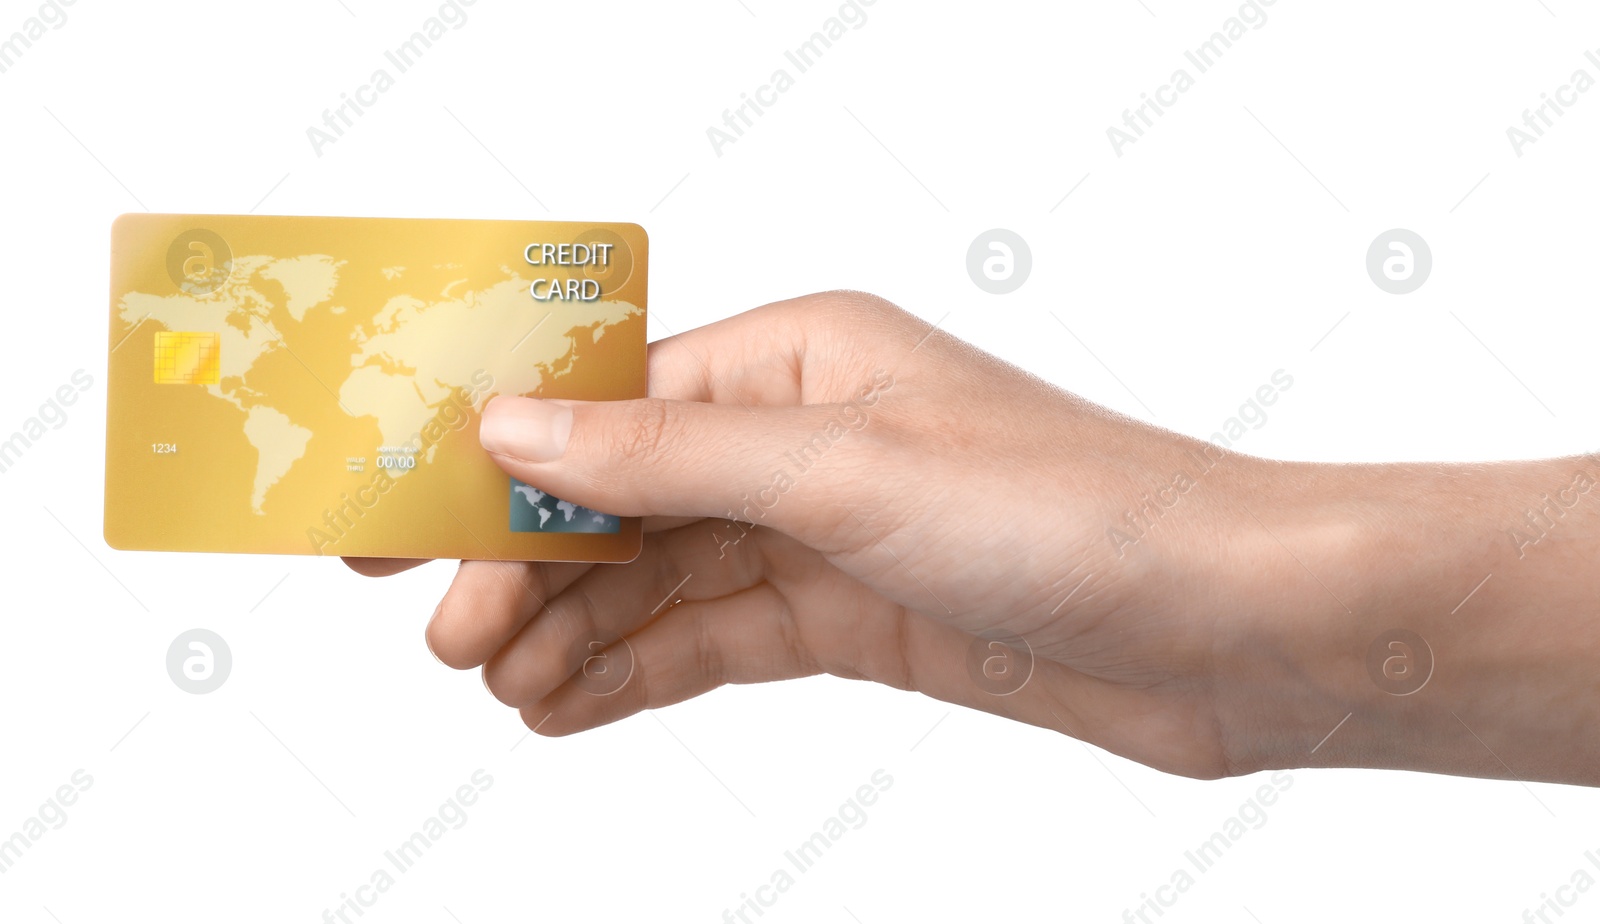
<point x="188" y="358"/>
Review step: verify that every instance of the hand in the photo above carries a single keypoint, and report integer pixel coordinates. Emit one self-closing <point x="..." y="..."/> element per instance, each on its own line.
<point x="831" y="485"/>
<point x="900" y="494"/>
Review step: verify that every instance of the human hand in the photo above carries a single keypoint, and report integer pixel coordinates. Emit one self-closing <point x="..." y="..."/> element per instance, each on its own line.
<point x="855" y="442"/>
<point x="809" y="472"/>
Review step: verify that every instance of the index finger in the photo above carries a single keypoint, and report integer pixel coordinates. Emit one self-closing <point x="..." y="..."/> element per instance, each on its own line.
<point x="383" y="567"/>
<point x="754" y="358"/>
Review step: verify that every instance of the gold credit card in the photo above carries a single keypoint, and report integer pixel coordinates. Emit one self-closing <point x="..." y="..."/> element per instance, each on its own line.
<point x="314" y="386"/>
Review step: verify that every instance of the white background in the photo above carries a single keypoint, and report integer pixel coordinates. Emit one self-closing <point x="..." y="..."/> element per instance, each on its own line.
<point x="1225" y="245"/>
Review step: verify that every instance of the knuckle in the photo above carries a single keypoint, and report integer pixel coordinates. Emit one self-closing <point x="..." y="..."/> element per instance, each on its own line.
<point x="641" y="433"/>
<point x="834" y="309"/>
<point x="708" y="651"/>
<point x="851" y="306"/>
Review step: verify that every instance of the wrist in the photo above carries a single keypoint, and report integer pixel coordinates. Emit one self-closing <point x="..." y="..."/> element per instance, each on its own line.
<point x="1414" y="617"/>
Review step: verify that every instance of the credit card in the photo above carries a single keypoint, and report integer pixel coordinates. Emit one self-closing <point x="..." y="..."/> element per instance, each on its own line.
<point x="314" y="386"/>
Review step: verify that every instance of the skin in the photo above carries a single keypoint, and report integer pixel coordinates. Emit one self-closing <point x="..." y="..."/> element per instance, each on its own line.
<point x="1232" y="636"/>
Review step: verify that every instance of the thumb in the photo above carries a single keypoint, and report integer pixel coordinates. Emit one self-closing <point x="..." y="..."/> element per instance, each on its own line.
<point x="658" y="457"/>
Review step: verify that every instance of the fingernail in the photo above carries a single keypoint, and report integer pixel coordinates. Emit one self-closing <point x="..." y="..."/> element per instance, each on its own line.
<point x="427" y="632"/>
<point x="526" y="428"/>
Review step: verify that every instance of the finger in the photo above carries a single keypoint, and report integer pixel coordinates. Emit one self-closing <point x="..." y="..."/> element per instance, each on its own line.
<point x="784" y="353"/>
<point x="663" y="524"/>
<point x="693" y="649"/>
<point x="750" y="637"/>
<point x="656" y="457"/>
<point x="489" y="602"/>
<point x="614" y="601"/>
<point x="383" y="567"/>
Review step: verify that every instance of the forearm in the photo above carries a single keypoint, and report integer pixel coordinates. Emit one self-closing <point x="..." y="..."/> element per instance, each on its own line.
<point x="1447" y="619"/>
